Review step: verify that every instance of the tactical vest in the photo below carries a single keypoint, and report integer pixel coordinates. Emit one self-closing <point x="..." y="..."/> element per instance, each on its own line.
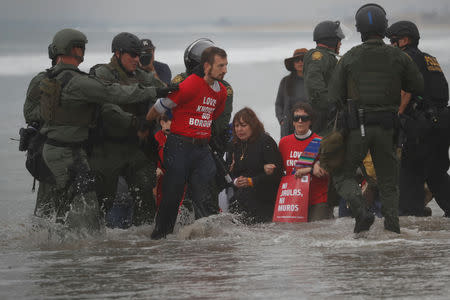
<point x="372" y="79"/>
<point x="51" y="109"/>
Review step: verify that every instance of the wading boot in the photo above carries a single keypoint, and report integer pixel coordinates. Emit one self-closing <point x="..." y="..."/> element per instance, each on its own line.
<point x="391" y="224"/>
<point x="363" y="221"/>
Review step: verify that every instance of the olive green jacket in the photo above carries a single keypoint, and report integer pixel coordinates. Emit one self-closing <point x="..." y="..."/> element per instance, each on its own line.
<point x="318" y="67"/>
<point x="219" y="125"/>
<point x="374" y="74"/>
<point x="118" y="119"/>
<point x="31" y="107"/>
<point x="84" y="91"/>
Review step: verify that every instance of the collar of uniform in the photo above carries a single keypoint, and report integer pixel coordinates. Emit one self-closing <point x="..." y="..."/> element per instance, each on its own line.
<point x="63" y="66"/>
<point x="375" y="42"/>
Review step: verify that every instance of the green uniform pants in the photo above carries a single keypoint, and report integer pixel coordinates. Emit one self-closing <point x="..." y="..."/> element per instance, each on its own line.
<point x="77" y="204"/>
<point x="380" y="142"/>
<point x="110" y="160"/>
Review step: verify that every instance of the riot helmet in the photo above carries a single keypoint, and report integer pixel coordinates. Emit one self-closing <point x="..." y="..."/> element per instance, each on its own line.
<point x="64" y="40"/>
<point x="328" y="30"/>
<point x="371" y="20"/>
<point x="193" y="52"/>
<point x="404" y="28"/>
<point x="126" y="42"/>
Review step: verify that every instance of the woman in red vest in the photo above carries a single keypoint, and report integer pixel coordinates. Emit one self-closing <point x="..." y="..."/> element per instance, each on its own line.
<point x="291" y="148"/>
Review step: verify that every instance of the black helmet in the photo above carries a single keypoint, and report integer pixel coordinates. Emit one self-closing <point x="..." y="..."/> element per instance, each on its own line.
<point x="194" y="51"/>
<point x="371" y="19"/>
<point x="328" y="30"/>
<point x="402" y="29"/>
<point x="126" y="42"/>
<point x="64" y="40"/>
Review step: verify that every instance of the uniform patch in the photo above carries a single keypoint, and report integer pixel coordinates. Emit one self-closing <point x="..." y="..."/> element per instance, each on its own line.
<point x="229" y="91"/>
<point x="432" y="64"/>
<point x="317" y="55"/>
<point x="177" y="79"/>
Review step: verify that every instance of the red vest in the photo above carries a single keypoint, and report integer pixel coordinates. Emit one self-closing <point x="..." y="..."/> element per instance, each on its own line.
<point x="291" y="148"/>
<point x="197" y="106"/>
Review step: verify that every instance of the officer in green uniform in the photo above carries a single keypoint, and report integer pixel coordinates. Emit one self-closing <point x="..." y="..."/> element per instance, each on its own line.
<point x="118" y="152"/>
<point x="219" y="127"/>
<point x="367" y="81"/>
<point x="45" y="203"/>
<point x="69" y="102"/>
<point x="318" y="66"/>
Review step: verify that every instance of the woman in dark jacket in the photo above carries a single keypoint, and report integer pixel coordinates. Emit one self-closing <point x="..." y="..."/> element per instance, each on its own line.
<point x="290" y="91"/>
<point x="256" y="168"/>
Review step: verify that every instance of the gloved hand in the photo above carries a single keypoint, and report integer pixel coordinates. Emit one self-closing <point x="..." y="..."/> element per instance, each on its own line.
<point x="162" y="92"/>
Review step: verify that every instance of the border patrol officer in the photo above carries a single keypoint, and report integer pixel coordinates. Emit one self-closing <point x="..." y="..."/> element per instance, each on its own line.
<point x="118" y="151"/>
<point x="69" y="102"/>
<point x="368" y="80"/>
<point x="426" y="123"/>
<point x="318" y="66"/>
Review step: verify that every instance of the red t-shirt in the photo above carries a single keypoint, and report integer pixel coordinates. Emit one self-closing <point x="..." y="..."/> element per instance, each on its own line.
<point x="197" y="106"/>
<point x="161" y="138"/>
<point x="291" y="148"/>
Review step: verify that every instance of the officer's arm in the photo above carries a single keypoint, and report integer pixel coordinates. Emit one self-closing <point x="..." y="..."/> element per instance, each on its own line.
<point x="337" y="88"/>
<point x="412" y="79"/>
<point x="220" y="124"/>
<point x="405" y="98"/>
<point x="92" y="89"/>
<point x="115" y="117"/>
<point x="31" y="107"/>
<point x="315" y="83"/>
<point x="279" y="102"/>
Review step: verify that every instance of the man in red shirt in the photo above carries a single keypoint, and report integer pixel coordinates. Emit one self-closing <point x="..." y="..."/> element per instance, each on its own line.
<point x="199" y="100"/>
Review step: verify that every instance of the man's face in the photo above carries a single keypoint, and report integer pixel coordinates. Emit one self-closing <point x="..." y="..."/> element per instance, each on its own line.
<point x="165" y="126"/>
<point x="399" y="42"/>
<point x="338" y="47"/>
<point x="219" y="68"/>
<point x="129" y="61"/>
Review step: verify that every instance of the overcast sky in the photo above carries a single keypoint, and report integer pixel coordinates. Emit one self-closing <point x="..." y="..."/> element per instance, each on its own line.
<point x="138" y="11"/>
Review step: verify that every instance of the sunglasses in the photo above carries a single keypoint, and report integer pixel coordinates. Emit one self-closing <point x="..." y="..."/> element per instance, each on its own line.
<point x="304" y="118"/>
<point x="298" y="58"/>
<point x="394" y="40"/>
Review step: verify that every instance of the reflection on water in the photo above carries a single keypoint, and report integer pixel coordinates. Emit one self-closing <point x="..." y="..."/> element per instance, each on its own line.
<point x="217" y="257"/>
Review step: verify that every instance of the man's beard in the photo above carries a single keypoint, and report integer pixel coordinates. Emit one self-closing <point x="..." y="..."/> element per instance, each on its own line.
<point x="218" y="78"/>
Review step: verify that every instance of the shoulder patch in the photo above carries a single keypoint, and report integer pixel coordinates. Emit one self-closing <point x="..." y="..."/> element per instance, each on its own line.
<point x="316" y="55"/>
<point x="432" y="64"/>
<point x="178" y="79"/>
<point x="229" y="91"/>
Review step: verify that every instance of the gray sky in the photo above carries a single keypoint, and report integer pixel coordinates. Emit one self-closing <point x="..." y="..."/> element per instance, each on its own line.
<point x="164" y="11"/>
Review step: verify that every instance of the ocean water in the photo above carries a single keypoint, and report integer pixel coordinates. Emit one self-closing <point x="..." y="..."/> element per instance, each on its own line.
<point x="215" y="257"/>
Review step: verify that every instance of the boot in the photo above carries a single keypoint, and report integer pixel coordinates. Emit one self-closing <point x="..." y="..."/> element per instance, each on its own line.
<point x="391" y="224"/>
<point x="363" y="221"/>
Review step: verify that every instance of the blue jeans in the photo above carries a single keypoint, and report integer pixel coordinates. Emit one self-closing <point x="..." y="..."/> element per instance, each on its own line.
<point x="184" y="163"/>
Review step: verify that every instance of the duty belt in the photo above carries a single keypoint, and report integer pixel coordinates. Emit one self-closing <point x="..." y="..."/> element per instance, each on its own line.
<point x="192" y="140"/>
<point x="56" y="143"/>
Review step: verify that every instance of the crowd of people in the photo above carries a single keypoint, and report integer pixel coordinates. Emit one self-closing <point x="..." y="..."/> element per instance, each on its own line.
<point x="127" y="133"/>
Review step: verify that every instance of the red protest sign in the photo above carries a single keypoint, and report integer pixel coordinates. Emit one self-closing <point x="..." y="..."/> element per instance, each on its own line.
<point x="292" y="200"/>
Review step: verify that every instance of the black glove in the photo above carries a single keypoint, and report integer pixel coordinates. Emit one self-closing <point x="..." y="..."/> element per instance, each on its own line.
<point x="162" y="92"/>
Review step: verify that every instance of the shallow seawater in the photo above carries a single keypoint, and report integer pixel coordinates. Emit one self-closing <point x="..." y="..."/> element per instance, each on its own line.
<point x="217" y="257"/>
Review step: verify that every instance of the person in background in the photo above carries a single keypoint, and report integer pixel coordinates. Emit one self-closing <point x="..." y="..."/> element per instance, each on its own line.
<point x="425" y="121"/>
<point x="290" y="91"/>
<point x="148" y="63"/>
<point x="292" y="146"/>
<point x="256" y="169"/>
<point x="319" y="64"/>
<point x="161" y="138"/>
